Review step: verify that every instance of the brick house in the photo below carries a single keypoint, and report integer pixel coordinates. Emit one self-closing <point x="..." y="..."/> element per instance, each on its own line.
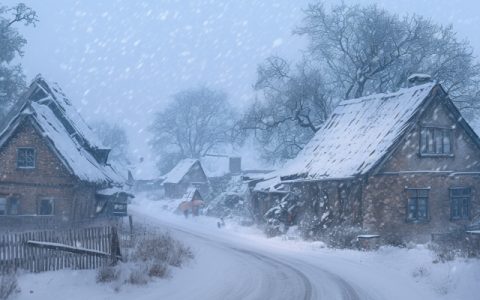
<point x="54" y="171"/>
<point x="187" y="173"/>
<point x="403" y="164"/>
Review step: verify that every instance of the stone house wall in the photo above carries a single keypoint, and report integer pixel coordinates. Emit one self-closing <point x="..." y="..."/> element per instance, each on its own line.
<point x="73" y="200"/>
<point x="385" y="196"/>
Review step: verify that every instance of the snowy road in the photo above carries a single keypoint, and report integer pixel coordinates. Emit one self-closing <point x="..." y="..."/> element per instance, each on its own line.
<point x="271" y="276"/>
<point x="233" y="265"/>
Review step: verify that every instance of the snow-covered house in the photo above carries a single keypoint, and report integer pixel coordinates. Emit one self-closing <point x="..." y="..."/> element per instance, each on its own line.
<point x="187" y="173"/>
<point x="146" y="177"/>
<point x="403" y="164"/>
<point x="53" y="168"/>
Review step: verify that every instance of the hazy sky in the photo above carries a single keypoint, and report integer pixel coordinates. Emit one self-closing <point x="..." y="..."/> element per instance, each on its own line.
<point x="122" y="60"/>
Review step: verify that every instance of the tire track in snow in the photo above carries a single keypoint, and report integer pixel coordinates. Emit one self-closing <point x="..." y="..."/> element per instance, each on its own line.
<point x="306" y="282"/>
<point x="310" y="291"/>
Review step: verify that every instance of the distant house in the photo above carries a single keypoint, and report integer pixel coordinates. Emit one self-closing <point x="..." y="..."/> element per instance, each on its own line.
<point x="187" y="173"/>
<point x="145" y="177"/>
<point x="403" y="164"/>
<point x="54" y="170"/>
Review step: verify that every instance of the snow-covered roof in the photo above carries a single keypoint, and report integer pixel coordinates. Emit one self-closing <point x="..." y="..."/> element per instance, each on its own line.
<point x="65" y="111"/>
<point x="65" y="130"/>
<point x="113" y="191"/>
<point x="180" y="170"/>
<point x="270" y="184"/>
<point x="190" y="194"/>
<point x="357" y="135"/>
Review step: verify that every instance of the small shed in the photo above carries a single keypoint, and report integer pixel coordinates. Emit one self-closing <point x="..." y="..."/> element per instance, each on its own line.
<point x="187" y="173"/>
<point x="192" y="201"/>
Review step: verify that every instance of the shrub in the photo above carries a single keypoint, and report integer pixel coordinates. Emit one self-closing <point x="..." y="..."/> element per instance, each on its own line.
<point x="159" y="270"/>
<point x="455" y="244"/>
<point x="138" y="275"/>
<point x="341" y="237"/>
<point x="108" y="274"/>
<point x="162" y="248"/>
<point x="151" y="256"/>
<point x="8" y="286"/>
<point x="394" y="239"/>
<point x="421" y="271"/>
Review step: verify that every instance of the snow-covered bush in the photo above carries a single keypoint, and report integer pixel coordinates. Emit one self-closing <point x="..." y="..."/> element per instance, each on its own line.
<point x="455" y="244"/>
<point x="108" y="274"/>
<point x="232" y="202"/>
<point x="8" y="286"/>
<point x="151" y="256"/>
<point x="161" y="249"/>
<point x="421" y="271"/>
<point x="138" y="274"/>
<point x="341" y="237"/>
<point x="394" y="239"/>
<point x="283" y="215"/>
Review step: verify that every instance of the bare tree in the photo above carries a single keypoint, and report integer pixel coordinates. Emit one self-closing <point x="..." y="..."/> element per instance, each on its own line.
<point x="114" y="137"/>
<point x="353" y="51"/>
<point x="365" y="49"/>
<point x="198" y="120"/>
<point x="292" y="106"/>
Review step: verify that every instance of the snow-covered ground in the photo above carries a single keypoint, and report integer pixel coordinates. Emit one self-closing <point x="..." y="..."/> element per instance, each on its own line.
<point x="240" y="263"/>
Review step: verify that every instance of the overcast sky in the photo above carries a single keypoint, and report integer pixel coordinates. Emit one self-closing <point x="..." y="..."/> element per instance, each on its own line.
<point x="122" y="60"/>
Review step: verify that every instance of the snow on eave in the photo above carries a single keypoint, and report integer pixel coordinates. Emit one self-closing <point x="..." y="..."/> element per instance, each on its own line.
<point x="270" y="185"/>
<point x="113" y="191"/>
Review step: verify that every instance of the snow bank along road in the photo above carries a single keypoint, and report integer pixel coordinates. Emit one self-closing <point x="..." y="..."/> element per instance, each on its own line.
<point x="235" y="265"/>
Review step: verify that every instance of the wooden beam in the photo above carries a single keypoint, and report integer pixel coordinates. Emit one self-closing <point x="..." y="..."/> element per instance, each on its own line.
<point x="71" y="249"/>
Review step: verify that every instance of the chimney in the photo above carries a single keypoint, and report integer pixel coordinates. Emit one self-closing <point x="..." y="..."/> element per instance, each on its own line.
<point x="417" y="79"/>
<point x="235" y="165"/>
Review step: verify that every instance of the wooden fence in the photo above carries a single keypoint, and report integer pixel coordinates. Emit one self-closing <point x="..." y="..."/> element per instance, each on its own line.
<point x="39" y="251"/>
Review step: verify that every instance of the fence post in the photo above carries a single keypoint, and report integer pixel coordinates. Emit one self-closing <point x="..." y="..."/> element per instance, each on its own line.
<point x="115" y="247"/>
<point x="130" y="222"/>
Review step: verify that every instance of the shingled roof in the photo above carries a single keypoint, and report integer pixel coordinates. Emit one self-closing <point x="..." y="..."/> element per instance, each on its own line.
<point x="65" y="131"/>
<point x="181" y="169"/>
<point x="357" y="135"/>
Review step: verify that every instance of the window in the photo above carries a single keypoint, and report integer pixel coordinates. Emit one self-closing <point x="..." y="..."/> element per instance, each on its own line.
<point x="435" y="141"/>
<point x="417" y="205"/>
<point x="9" y="206"/>
<point x="45" y="207"/>
<point x="3" y="206"/>
<point x="12" y="206"/>
<point x="25" y="158"/>
<point x="460" y="203"/>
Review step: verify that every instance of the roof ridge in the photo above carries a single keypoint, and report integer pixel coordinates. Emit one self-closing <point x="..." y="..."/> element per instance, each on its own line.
<point x="372" y="97"/>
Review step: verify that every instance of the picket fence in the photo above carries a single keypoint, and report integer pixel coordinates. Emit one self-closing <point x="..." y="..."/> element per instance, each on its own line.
<point x="90" y="248"/>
